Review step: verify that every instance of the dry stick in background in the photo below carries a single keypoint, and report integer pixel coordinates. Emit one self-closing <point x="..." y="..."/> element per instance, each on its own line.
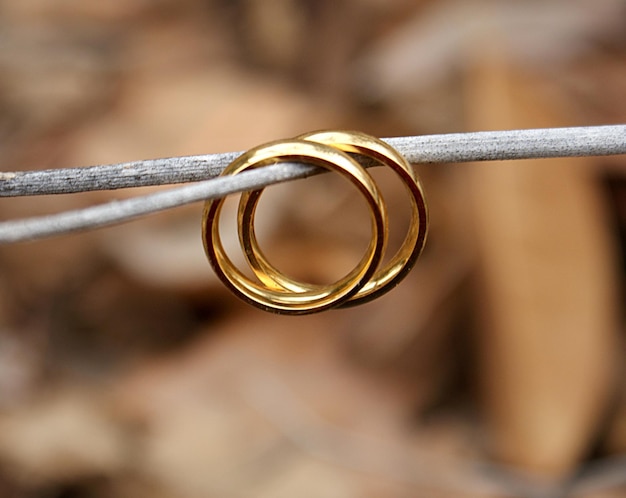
<point x="461" y="147"/>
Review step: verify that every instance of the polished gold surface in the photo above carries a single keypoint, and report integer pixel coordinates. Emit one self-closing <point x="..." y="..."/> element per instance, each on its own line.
<point x="398" y="266"/>
<point x="267" y="293"/>
<point x="338" y="151"/>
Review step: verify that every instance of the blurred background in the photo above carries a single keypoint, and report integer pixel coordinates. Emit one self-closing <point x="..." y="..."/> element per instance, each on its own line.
<point x="495" y="369"/>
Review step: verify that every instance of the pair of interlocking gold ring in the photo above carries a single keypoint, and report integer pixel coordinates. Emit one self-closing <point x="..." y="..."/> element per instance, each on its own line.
<point x="342" y="152"/>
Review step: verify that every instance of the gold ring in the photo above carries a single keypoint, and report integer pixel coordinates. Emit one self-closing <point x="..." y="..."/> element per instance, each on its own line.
<point x="384" y="279"/>
<point x="266" y="294"/>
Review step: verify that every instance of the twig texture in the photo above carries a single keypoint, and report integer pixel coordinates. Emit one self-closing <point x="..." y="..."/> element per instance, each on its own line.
<point x="460" y="147"/>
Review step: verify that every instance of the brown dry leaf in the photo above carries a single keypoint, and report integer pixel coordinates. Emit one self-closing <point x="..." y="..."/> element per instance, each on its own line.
<point x="65" y="436"/>
<point x="546" y="291"/>
<point x="270" y="405"/>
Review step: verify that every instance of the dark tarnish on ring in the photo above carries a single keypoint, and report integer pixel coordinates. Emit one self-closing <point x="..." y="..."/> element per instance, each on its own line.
<point x="338" y="151"/>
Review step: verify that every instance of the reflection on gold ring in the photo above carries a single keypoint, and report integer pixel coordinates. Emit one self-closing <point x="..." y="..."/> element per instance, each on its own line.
<point x="276" y="292"/>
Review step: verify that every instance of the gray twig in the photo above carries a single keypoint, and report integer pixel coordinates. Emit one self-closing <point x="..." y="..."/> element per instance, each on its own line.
<point x="128" y="209"/>
<point x="459" y="147"/>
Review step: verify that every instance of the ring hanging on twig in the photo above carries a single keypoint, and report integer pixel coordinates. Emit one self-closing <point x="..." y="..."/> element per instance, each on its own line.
<point x="338" y="151"/>
<point x="270" y="297"/>
<point x="399" y="265"/>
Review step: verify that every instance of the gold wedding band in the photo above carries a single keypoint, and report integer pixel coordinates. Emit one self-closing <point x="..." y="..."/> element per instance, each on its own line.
<point x="399" y="265"/>
<point x="267" y="295"/>
<point x="344" y="152"/>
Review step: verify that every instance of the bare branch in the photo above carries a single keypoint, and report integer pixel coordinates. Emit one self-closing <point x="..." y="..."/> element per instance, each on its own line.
<point x="457" y="147"/>
<point x="461" y="147"/>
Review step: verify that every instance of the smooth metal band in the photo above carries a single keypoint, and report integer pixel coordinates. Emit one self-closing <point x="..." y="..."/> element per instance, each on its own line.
<point x="399" y="265"/>
<point x="267" y="295"/>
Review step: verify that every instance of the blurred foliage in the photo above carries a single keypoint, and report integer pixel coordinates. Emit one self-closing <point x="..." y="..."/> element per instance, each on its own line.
<point x="495" y="369"/>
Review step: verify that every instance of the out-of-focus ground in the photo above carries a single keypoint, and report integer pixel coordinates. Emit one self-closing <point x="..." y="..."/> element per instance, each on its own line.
<point x="495" y="369"/>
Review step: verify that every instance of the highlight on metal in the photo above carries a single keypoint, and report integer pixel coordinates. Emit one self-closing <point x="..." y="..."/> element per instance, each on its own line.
<point x="272" y="290"/>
